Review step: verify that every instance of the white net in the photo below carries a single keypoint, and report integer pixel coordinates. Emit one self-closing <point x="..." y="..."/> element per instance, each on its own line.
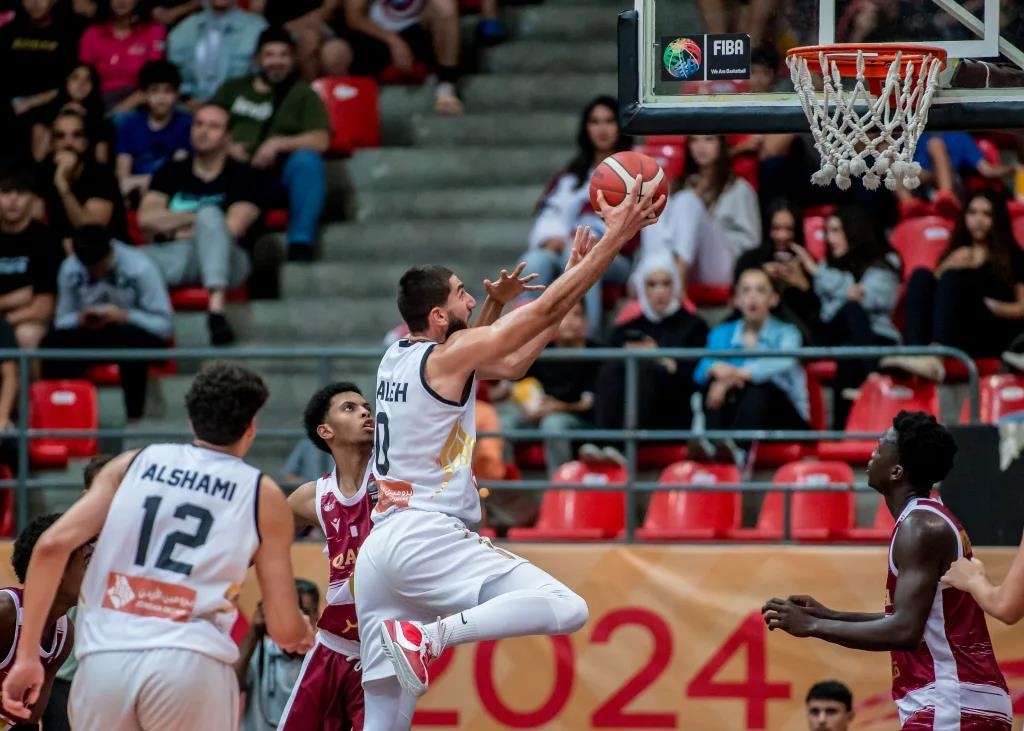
<point x="866" y="135"/>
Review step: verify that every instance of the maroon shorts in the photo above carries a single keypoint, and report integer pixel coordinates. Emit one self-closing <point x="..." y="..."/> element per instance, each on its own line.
<point x="328" y="694"/>
<point x="924" y="720"/>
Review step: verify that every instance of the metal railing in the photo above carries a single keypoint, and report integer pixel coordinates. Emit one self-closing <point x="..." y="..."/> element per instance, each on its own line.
<point x="630" y="434"/>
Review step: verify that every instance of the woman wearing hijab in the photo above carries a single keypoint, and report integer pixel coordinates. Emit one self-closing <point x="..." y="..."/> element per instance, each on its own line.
<point x="664" y="385"/>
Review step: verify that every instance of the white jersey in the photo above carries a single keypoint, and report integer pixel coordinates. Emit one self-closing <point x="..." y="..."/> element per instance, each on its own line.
<point x="397" y="15"/>
<point x="172" y="555"/>
<point x="423" y="443"/>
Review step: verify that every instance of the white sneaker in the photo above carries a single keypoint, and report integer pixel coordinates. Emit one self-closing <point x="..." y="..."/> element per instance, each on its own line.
<point x="611" y="454"/>
<point x="591" y="454"/>
<point x="1014" y="360"/>
<point x="925" y="366"/>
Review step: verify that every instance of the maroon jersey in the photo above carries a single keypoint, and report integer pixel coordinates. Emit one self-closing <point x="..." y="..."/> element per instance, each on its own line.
<point x="346" y="523"/>
<point x="58" y="632"/>
<point x="952" y="674"/>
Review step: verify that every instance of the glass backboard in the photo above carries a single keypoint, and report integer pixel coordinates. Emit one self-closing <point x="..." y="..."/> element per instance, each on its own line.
<point x="719" y="65"/>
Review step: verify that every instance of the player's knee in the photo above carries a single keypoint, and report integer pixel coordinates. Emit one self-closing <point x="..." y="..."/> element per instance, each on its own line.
<point x="574" y="611"/>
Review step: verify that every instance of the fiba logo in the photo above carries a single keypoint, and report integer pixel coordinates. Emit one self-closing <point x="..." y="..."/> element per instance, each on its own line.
<point x="682" y="58"/>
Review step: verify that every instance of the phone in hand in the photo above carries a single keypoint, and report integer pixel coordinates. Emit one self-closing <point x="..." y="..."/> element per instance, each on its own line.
<point x="634" y="336"/>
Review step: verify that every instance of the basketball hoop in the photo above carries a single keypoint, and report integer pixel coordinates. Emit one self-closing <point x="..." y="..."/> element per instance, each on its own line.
<point x="871" y="130"/>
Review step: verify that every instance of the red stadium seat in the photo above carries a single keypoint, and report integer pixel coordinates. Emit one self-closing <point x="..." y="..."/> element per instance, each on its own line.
<point x="62" y="404"/>
<point x="277" y="219"/>
<point x="198" y="299"/>
<point x="131" y="218"/>
<point x="354" y="109"/>
<point x="658" y="456"/>
<point x="999" y="396"/>
<point x="824" y="211"/>
<point x="709" y="295"/>
<point x="920" y="242"/>
<point x="956" y="371"/>
<point x="819" y="516"/>
<point x="6" y="504"/>
<point x="670" y="156"/>
<point x="581" y="515"/>
<point x="630" y="310"/>
<point x="814" y="236"/>
<point x="1018" y="228"/>
<point x="392" y="76"/>
<point x="530" y="456"/>
<point x="769" y="521"/>
<point x="880" y="530"/>
<point x="682" y="515"/>
<point x="822" y="370"/>
<point x="881" y="398"/>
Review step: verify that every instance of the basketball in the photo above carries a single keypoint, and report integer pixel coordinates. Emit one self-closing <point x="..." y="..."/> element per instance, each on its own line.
<point x="616" y="176"/>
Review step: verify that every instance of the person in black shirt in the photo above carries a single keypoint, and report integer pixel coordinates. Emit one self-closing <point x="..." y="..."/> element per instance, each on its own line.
<point x="77" y="191"/>
<point x="665" y="385"/>
<point x="197" y="209"/>
<point x="80" y="93"/>
<point x="29" y="259"/>
<point x="565" y="397"/>
<point x="974" y="300"/>
<point x="317" y="52"/>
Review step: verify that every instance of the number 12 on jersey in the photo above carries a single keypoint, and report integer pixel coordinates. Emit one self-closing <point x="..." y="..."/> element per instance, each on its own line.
<point x="195" y="539"/>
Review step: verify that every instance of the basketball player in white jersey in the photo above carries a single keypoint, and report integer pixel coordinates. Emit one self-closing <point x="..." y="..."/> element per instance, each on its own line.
<point x="178" y="526"/>
<point x="421" y="562"/>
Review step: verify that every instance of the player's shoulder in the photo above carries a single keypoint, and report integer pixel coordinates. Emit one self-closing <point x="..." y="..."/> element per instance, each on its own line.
<point x="927" y="529"/>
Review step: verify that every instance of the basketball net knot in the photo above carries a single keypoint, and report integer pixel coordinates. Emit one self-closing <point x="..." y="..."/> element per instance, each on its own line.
<point x="871" y="130"/>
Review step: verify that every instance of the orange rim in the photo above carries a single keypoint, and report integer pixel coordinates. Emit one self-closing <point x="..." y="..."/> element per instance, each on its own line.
<point x="878" y="57"/>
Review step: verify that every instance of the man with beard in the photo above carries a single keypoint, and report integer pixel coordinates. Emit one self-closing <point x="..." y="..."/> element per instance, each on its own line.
<point x="279" y="124"/>
<point x="422" y="561"/>
<point x="196" y="210"/>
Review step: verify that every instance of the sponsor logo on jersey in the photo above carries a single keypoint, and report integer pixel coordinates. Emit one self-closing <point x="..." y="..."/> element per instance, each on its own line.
<point x="393" y="494"/>
<point x="148" y="597"/>
<point x="336" y="524"/>
<point x="372" y="491"/>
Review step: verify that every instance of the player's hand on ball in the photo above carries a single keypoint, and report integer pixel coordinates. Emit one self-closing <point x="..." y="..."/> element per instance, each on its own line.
<point x="787" y="616"/>
<point x="626" y="219"/>
<point x="510" y="286"/>
<point x="963" y="573"/>
<point x="21" y="688"/>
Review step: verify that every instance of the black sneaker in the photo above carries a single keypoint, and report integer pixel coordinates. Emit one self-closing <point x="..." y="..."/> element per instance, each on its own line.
<point x="221" y="332"/>
<point x="1014" y="355"/>
<point x="300" y="252"/>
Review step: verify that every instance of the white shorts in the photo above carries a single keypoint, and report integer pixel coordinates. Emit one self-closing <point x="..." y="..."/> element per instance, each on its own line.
<point x="418" y="565"/>
<point x="153" y="690"/>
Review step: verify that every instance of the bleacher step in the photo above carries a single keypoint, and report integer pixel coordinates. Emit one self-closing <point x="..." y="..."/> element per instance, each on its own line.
<point x="329" y="279"/>
<point x="493" y="128"/>
<point x="511" y="201"/>
<point x="428" y="241"/>
<point x="399" y="169"/>
<point x="517" y="57"/>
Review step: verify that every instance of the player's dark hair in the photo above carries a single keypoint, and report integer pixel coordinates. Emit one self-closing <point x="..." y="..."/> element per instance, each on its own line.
<point x="831" y="690"/>
<point x="926" y="448"/>
<point x="26" y="542"/>
<point x="222" y="401"/>
<point x="92" y="468"/>
<point x="1001" y="241"/>
<point x="420" y="290"/>
<point x="579" y="167"/>
<point x="159" y="71"/>
<point x="316" y="410"/>
<point x="305" y="586"/>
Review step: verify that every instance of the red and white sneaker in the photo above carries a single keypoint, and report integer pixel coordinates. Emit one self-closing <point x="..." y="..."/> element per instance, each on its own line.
<point x="408" y="648"/>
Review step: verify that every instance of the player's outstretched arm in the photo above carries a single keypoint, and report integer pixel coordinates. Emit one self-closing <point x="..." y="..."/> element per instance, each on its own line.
<point x="924" y="548"/>
<point x="502" y="291"/>
<point x="1005" y="602"/>
<point x="470" y="350"/>
<point x="286" y="624"/>
<point x="81" y="523"/>
<point x="303" y="506"/>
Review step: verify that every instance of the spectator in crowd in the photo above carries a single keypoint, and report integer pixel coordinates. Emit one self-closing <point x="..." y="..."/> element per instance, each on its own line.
<point x="386" y="33"/>
<point x="751" y="392"/>
<point x="318" y="52"/>
<point x="278" y="123"/>
<point x="76" y="190"/>
<point x="8" y="397"/>
<point x="55" y="717"/>
<point x="118" y="47"/>
<point x="488" y="452"/>
<point x="197" y="209"/>
<point x="304" y="463"/>
<point x="566" y="205"/>
<point x="149" y="137"/>
<point x="944" y="158"/>
<point x="109" y="295"/>
<point x="37" y="50"/>
<point x="213" y="46"/>
<point x="169" y="13"/>
<point x="776" y="255"/>
<point x="30" y="257"/>
<point x="829" y="706"/>
<point x="711" y="220"/>
<point x="266" y="673"/>
<point x="974" y="300"/>
<point x="558" y="395"/>
<point x="665" y="385"/>
<point x="79" y="94"/>
<point x="858" y="284"/>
